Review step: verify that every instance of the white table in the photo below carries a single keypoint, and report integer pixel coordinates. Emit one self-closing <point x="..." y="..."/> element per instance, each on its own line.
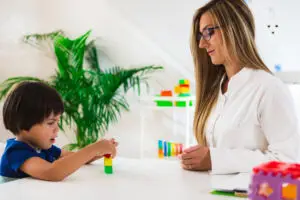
<point x="141" y="179"/>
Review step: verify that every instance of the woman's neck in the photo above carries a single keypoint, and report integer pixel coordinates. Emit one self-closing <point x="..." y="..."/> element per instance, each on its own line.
<point x="232" y="67"/>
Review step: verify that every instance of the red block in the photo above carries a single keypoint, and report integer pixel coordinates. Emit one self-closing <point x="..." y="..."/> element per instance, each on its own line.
<point x="107" y="155"/>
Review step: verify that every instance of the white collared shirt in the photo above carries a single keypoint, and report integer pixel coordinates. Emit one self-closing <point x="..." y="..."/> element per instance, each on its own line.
<point x="253" y="122"/>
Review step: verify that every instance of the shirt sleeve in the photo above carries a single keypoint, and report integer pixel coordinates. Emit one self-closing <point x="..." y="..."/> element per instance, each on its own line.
<point x="279" y="124"/>
<point x="18" y="156"/>
<point x="55" y="151"/>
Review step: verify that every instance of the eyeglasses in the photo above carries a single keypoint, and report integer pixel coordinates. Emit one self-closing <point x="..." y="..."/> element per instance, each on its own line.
<point x="206" y="33"/>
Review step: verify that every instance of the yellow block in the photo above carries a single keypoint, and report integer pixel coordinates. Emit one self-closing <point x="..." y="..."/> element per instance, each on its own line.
<point x="186" y="82"/>
<point x="177" y="89"/>
<point x="107" y="161"/>
<point x="173" y="149"/>
<point x="184" y="90"/>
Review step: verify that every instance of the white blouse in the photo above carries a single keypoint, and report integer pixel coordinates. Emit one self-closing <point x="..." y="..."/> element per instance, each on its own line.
<point x="253" y="122"/>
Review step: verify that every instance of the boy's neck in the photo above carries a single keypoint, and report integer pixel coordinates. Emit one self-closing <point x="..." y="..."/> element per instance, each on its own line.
<point x="20" y="138"/>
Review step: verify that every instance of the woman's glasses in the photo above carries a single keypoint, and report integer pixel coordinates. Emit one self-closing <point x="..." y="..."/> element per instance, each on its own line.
<point x="206" y="33"/>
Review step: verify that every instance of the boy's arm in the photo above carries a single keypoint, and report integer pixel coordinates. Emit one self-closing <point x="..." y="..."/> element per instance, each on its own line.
<point x="65" y="153"/>
<point x="63" y="167"/>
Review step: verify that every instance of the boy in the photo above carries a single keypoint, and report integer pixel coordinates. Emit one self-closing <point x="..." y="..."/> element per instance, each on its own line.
<point x="32" y="112"/>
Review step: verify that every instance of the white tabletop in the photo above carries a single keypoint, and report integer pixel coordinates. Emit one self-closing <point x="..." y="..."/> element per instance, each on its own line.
<point x="132" y="179"/>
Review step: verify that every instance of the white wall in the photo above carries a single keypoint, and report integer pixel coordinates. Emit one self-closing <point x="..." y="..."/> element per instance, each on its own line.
<point x="133" y="33"/>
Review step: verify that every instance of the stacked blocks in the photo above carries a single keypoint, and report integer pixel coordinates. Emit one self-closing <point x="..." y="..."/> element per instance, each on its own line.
<point x="275" y="180"/>
<point x="183" y="90"/>
<point x="165" y="103"/>
<point x="108" y="169"/>
<point x="169" y="149"/>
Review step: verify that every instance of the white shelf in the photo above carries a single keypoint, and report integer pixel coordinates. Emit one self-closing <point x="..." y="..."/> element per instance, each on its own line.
<point x="148" y="104"/>
<point x="156" y="98"/>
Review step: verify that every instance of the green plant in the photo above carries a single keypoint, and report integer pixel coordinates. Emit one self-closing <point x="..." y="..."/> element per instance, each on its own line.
<point x="93" y="97"/>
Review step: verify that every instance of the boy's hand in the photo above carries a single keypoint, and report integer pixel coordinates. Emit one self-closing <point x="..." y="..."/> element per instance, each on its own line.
<point x="112" y="143"/>
<point x="107" y="147"/>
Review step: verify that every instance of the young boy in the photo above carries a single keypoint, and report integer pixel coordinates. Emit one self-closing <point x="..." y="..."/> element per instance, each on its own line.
<point x="32" y="112"/>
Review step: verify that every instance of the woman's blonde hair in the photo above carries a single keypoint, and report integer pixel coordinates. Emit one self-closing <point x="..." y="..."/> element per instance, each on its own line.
<point x="238" y="34"/>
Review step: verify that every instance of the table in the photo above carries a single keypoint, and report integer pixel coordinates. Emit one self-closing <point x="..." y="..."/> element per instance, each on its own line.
<point x="141" y="179"/>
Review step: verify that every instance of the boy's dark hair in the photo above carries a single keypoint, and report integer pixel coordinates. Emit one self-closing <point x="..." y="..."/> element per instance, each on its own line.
<point x="30" y="103"/>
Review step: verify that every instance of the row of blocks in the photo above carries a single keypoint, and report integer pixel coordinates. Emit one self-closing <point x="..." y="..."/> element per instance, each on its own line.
<point x="168" y="149"/>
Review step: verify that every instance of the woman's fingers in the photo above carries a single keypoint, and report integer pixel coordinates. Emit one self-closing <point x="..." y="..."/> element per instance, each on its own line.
<point x="191" y="161"/>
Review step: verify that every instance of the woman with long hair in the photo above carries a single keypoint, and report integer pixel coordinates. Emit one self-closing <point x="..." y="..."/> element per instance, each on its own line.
<point x="244" y="115"/>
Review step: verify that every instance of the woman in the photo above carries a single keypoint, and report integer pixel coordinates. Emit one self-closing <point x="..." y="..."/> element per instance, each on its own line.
<point x="244" y="115"/>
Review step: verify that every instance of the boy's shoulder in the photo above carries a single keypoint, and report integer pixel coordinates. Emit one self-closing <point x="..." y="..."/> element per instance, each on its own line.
<point x="12" y="144"/>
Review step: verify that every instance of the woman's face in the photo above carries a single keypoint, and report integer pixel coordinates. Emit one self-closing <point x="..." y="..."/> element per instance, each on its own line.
<point x="211" y="39"/>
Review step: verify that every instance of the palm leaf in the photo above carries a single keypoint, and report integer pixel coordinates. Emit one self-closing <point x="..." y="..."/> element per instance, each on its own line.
<point x="92" y="56"/>
<point x="9" y="83"/>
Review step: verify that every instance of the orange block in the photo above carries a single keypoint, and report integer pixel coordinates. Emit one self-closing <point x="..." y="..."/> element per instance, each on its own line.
<point x="160" y="153"/>
<point x="289" y="191"/>
<point x="166" y="93"/>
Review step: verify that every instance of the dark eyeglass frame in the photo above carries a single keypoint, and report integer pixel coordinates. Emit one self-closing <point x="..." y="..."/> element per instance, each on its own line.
<point x="206" y="33"/>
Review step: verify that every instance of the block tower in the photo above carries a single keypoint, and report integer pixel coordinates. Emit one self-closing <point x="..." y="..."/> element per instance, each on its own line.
<point x="108" y="168"/>
<point x="183" y="90"/>
<point x="275" y="180"/>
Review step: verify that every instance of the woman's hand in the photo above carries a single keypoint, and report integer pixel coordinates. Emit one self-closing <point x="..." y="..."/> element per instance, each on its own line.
<point x="196" y="158"/>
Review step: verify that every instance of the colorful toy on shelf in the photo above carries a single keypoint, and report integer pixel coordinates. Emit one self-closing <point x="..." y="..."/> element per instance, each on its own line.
<point x="275" y="180"/>
<point x="108" y="168"/>
<point x="169" y="149"/>
<point x="183" y="90"/>
<point x="165" y="103"/>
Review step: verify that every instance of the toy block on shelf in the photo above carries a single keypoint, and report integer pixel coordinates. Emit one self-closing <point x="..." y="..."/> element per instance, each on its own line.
<point x="166" y="93"/>
<point x="275" y="180"/>
<point x="184" y="82"/>
<point x="183" y="103"/>
<point x="164" y="103"/>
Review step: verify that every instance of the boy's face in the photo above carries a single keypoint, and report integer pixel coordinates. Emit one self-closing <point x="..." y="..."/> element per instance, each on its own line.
<point x="43" y="135"/>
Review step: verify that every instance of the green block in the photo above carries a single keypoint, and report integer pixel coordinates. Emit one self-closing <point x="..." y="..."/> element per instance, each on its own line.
<point x="183" y="103"/>
<point x="169" y="149"/>
<point x="223" y="193"/>
<point x="164" y="103"/>
<point x="108" y="169"/>
<point x="181" y="81"/>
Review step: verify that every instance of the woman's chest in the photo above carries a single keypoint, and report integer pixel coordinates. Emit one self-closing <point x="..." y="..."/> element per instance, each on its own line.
<point x="234" y="123"/>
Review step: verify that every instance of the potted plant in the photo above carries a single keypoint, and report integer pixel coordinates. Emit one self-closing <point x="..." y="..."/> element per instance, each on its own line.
<point x="93" y="97"/>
